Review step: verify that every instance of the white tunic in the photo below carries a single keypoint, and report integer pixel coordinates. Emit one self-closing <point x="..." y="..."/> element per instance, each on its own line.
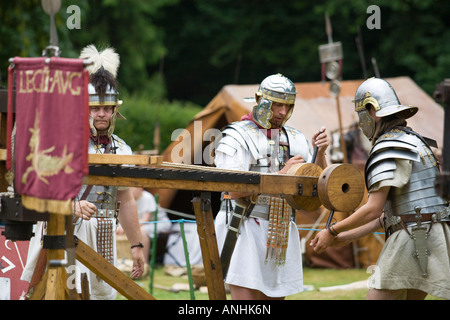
<point x="85" y="230"/>
<point x="247" y="265"/>
<point x="397" y="268"/>
<point x="146" y="203"/>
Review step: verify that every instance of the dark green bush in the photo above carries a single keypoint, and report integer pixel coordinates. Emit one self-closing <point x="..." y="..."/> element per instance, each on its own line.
<point x="144" y="113"/>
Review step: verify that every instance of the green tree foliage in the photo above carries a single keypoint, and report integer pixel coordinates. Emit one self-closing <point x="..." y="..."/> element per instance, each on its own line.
<point x="414" y="38"/>
<point x="207" y="44"/>
<point x="243" y="41"/>
<point x="144" y="114"/>
<point x="144" y="111"/>
<point x="127" y="26"/>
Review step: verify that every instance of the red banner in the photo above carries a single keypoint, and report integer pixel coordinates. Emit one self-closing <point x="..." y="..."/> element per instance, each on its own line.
<point x="52" y="131"/>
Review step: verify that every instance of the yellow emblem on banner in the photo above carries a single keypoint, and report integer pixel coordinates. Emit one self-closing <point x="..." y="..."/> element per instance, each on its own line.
<point x="43" y="164"/>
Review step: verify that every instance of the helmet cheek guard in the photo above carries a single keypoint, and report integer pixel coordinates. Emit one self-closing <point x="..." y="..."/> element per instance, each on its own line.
<point x="366" y="121"/>
<point x="367" y="124"/>
<point x="116" y="114"/>
<point x="263" y="112"/>
<point x="92" y="127"/>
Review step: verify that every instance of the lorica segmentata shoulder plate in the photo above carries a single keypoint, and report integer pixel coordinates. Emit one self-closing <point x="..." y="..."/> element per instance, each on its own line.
<point x="419" y="192"/>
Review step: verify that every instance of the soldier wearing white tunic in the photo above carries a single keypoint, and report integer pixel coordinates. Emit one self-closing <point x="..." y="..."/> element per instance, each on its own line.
<point x="260" y="268"/>
<point x="96" y="208"/>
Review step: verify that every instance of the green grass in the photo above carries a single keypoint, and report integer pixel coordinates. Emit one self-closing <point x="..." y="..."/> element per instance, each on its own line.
<point x="313" y="279"/>
<point x="317" y="278"/>
<point x="163" y="280"/>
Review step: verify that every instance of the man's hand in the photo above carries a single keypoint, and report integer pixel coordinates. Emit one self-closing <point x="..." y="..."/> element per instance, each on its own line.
<point x="84" y="209"/>
<point x="322" y="241"/>
<point x="137" y="253"/>
<point x="292" y="161"/>
<point x="321" y="140"/>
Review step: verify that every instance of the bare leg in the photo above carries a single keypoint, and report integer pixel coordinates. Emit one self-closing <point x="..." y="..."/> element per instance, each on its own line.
<point x="414" y="294"/>
<point x="381" y="294"/>
<point x="406" y="294"/>
<point x="242" y="293"/>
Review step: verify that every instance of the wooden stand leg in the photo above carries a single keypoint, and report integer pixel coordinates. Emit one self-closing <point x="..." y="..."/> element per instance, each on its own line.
<point x="208" y="245"/>
<point x="85" y="293"/>
<point x="52" y="285"/>
<point x="56" y="276"/>
<point x="111" y="275"/>
<point x="56" y="284"/>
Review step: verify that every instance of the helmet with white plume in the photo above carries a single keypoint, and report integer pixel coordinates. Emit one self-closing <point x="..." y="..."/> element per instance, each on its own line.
<point x="102" y="86"/>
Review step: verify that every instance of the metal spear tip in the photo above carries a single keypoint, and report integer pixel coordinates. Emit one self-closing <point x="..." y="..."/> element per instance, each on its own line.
<point x="51" y="6"/>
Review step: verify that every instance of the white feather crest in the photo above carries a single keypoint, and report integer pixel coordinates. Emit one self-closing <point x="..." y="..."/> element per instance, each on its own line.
<point x="108" y="58"/>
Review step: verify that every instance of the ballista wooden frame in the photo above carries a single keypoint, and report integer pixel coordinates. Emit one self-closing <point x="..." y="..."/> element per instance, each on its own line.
<point x="306" y="186"/>
<point x="338" y="187"/>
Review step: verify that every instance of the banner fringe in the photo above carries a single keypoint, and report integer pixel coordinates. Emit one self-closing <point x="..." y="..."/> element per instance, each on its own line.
<point x="64" y="207"/>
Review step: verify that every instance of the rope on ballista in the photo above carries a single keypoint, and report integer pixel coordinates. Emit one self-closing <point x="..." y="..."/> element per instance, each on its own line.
<point x="184" y="220"/>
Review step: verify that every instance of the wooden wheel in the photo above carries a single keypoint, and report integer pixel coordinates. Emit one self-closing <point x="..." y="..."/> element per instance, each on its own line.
<point x="341" y="187"/>
<point x="304" y="202"/>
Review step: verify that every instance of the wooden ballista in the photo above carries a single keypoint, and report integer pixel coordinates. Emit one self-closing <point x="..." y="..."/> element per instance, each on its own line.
<point x="338" y="187"/>
<point x="306" y="186"/>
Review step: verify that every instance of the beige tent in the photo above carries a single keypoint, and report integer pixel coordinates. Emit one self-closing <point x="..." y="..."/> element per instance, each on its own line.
<point x="314" y="107"/>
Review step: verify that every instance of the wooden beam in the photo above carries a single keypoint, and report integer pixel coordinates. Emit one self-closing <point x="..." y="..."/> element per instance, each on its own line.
<point x="136" y="159"/>
<point x="110" y="274"/>
<point x="56" y="284"/>
<point x="270" y="184"/>
<point x="341" y="183"/>
<point x="56" y="279"/>
<point x="208" y="246"/>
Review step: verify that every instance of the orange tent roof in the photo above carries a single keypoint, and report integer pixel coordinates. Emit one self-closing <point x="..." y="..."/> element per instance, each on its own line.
<point x="315" y="107"/>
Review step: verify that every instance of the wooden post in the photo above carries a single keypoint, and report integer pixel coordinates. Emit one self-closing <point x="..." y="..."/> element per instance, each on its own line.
<point x="341" y="133"/>
<point x="56" y="278"/>
<point x="208" y="244"/>
<point x="56" y="284"/>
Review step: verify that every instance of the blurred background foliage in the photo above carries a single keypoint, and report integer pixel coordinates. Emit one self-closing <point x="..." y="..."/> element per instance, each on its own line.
<point x="177" y="54"/>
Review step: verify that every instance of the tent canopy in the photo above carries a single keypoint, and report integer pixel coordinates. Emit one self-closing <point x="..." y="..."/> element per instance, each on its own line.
<point x="314" y="107"/>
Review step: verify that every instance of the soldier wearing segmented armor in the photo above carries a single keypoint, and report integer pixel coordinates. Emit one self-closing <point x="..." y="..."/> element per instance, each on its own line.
<point x="400" y="174"/>
<point x="256" y="265"/>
